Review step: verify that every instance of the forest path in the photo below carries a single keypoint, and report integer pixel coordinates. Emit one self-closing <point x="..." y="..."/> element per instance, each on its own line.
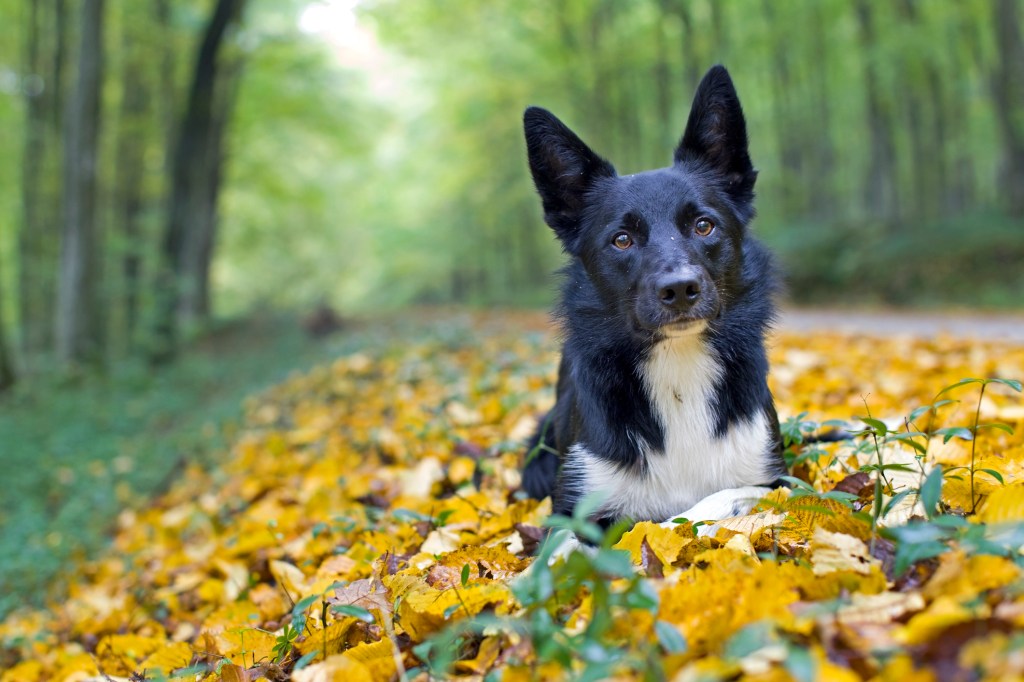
<point x="989" y="326"/>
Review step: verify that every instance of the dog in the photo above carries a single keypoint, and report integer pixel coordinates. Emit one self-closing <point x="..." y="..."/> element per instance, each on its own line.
<point x="662" y="403"/>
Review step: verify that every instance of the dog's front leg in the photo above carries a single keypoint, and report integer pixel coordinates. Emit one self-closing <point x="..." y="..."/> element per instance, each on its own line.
<point x="724" y="504"/>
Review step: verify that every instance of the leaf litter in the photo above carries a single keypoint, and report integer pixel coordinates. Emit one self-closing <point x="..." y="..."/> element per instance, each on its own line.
<point x="368" y="516"/>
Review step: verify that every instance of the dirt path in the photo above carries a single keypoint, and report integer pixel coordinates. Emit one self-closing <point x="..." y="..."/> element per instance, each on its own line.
<point x="991" y="327"/>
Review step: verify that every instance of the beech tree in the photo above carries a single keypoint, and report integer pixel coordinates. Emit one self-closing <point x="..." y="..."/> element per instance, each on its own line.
<point x="196" y="173"/>
<point x="80" y="332"/>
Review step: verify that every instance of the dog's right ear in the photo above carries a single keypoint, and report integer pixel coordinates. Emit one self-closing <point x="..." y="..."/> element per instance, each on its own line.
<point x="564" y="169"/>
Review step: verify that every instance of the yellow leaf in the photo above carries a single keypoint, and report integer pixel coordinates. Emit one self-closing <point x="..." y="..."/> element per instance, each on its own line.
<point x="378" y="658"/>
<point x="964" y="577"/>
<point x="236" y="578"/>
<point x="72" y="666"/>
<point x="750" y="524"/>
<point x="881" y="608"/>
<point x="1004" y="505"/>
<point x="441" y="540"/>
<point x="667" y="543"/>
<point x="168" y="658"/>
<point x="709" y="605"/>
<point x="238" y="614"/>
<point x="832" y="552"/>
<point x="419" y="481"/>
<point x="740" y="543"/>
<point x="461" y="470"/>
<point x="242" y="646"/>
<point x="485" y="564"/>
<point x="994" y="657"/>
<point x="484" y="660"/>
<point x="26" y="671"/>
<point x="804" y="514"/>
<point x="291" y="579"/>
<point x="942" y="613"/>
<point x="423" y="609"/>
<point x="233" y="673"/>
<point x="122" y="654"/>
<point x="337" y="668"/>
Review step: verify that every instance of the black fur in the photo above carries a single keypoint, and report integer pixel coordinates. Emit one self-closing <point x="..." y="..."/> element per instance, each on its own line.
<point x="617" y="304"/>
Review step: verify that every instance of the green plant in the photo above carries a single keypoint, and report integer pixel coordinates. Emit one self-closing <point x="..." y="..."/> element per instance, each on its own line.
<point x="544" y="591"/>
<point x="924" y="539"/>
<point x="971" y="433"/>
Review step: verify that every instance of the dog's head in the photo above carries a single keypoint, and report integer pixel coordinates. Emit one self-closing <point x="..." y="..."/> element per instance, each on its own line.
<point x="663" y="246"/>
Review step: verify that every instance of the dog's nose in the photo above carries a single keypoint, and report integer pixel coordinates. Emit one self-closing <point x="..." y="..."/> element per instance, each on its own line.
<point x="679" y="292"/>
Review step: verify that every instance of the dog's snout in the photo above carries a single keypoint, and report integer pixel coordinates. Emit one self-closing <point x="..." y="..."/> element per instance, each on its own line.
<point x="679" y="292"/>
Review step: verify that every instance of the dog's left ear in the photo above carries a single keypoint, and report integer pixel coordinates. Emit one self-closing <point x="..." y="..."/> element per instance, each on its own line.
<point x="716" y="133"/>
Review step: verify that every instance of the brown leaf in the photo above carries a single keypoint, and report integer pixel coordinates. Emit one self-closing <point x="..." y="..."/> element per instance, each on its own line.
<point x="650" y="562"/>
<point x="366" y="593"/>
<point x="854" y="484"/>
<point x="532" y="537"/>
<point x="234" y="673"/>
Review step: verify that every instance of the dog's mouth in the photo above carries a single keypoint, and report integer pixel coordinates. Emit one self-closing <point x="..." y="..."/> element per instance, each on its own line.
<point x="682" y="328"/>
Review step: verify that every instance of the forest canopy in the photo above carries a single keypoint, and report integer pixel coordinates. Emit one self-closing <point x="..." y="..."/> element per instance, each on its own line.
<point x="256" y="153"/>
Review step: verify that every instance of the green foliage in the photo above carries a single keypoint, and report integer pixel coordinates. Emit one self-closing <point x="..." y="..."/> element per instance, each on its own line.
<point x="285" y="642"/>
<point x="385" y="165"/>
<point x="930" y="262"/>
<point x="920" y="540"/>
<point x="75" y="453"/>
<point x="971" y="433"/>
<point x="545" y="589"/>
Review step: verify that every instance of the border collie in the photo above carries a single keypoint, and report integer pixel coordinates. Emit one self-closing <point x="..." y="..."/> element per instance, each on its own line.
<point x="663" y="407"/>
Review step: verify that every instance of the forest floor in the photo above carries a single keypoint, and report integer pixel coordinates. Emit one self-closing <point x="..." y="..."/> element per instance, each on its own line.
<point x="339" y="524"/>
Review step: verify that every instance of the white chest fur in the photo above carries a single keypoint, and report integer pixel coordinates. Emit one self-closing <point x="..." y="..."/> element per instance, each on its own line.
<point x="680" y="376"/>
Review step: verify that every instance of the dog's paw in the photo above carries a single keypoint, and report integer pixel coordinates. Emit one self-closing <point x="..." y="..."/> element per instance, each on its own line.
<point x="556" y="547"/>
<point x="566" y="545"/>
<point x="724" y="504"/>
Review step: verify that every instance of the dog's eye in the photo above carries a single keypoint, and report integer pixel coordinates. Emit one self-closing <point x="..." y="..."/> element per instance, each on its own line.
<point x="622" y="241"/>
<point x="703" y="227"/>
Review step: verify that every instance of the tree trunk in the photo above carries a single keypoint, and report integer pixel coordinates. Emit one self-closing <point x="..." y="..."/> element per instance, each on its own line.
<point x="1008" y="93"/>
<point x="821" y="193"/>
<point x="130" y="171"/>
<point x="7" y="376"/>
<point x="79" y="324"/>
<point x="691" y="56"/>
<point x="38" y="235"/>
<point x="880" y="197"/>
<point x="919" y="108"/>
<point x="36" y="321"/>
<point x="195" y="170"/>
<point x="663" y="82"/>
<point x="789" y="131"/>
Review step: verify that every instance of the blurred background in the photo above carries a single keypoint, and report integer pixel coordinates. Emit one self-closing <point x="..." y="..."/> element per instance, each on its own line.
<point x="173" y="160"/>
<point x="181" y="175"/>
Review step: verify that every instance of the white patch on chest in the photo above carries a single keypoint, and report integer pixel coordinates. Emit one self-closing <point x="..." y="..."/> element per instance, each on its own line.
<point x="680" y="376"/>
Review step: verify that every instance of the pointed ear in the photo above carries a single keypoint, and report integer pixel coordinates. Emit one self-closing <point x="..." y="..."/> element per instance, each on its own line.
<point x="564" y="169"/>
<point x="716" y="134"/>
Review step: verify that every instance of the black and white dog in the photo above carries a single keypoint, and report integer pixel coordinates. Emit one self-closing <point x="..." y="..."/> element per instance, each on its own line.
<point x="662" y="400"/>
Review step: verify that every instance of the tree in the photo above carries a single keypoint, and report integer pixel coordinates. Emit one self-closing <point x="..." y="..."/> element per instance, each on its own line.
<point x="188" y="240"/>
<point x="80" y="320"/>
<point x="45" y="40"/>
<point x="880" y="187"/>
<point x="6" y="363"/>
<point x="1008" y="92"/>
<point x="137" y="126"/>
